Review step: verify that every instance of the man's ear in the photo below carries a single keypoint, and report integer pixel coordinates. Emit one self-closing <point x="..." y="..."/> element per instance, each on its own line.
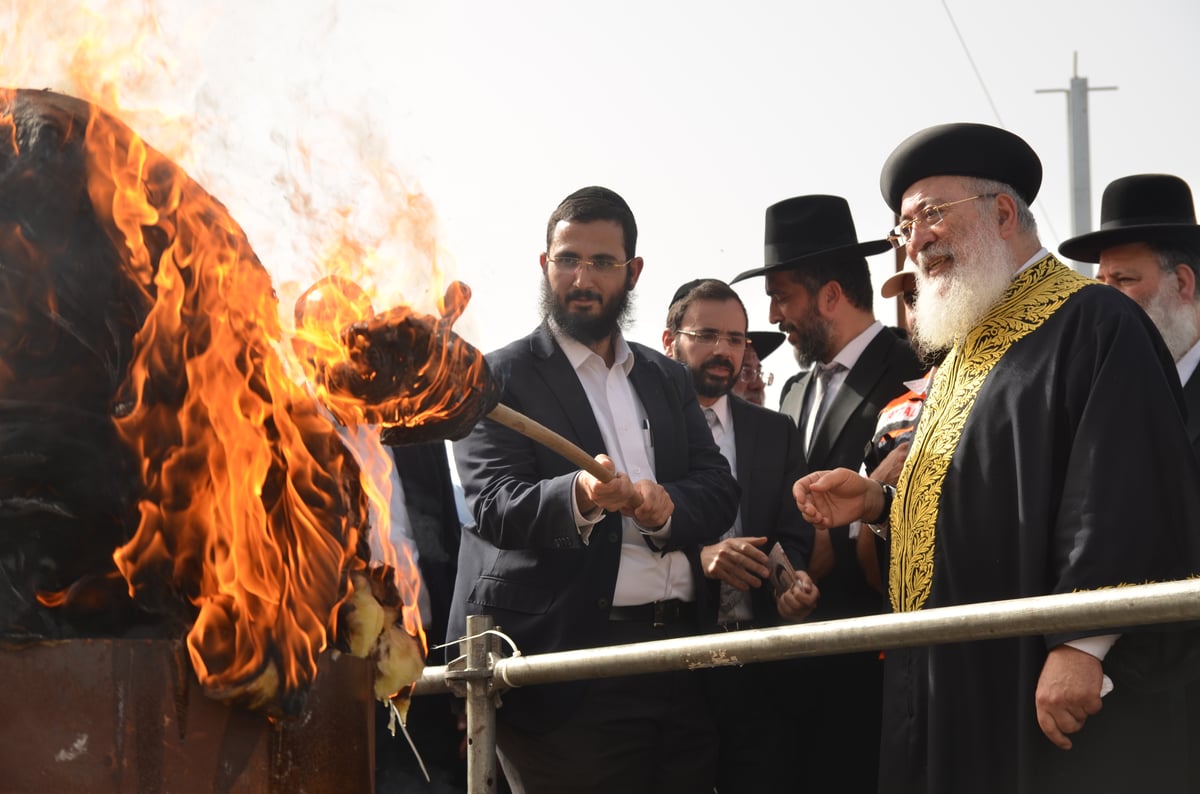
<point x="1006" y="214"/>
<point x="1185" y="280"/>
<point x="668" y="343"/>
<point x="829" y="296"/>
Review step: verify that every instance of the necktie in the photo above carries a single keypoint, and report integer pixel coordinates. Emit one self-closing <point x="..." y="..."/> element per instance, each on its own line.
<point x="730" y="598"/>
<point x="820" y="398"/>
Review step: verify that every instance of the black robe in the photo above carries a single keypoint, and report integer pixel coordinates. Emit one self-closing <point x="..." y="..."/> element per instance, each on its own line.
<point x="1051" y="457"/>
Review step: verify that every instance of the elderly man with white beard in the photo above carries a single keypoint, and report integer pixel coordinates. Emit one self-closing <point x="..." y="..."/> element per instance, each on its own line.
<point x="1050" y="458"/>
<point x="1148" y="246"/>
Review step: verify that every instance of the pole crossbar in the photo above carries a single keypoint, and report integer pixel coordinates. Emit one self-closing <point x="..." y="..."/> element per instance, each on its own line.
<point x="1113" y="608"/>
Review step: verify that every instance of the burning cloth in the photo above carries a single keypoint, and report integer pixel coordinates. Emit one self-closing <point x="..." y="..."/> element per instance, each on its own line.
<point x="160" y="472"/>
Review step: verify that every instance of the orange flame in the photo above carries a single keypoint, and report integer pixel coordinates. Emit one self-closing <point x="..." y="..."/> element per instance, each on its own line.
<point x="252" y="509"/>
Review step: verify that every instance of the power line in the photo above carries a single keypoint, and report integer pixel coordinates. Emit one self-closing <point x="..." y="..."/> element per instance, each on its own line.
<point x="988" y="95"/>
<point x="970" y="60"/>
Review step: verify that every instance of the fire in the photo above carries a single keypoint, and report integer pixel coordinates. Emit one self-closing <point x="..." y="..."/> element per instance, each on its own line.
<point x="251" y="512"/>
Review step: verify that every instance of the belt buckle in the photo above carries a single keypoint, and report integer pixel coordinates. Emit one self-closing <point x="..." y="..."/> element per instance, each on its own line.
<point x="660" y="614"/>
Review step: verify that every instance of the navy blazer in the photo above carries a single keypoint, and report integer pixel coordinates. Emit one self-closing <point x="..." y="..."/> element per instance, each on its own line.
<point x="770" y="459"/>
<point x="523" y="561"/>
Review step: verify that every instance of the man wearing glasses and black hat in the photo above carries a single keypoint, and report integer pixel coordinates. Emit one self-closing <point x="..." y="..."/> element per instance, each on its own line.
<point x="1050" y="457"/>
<point x="820" y="293"/>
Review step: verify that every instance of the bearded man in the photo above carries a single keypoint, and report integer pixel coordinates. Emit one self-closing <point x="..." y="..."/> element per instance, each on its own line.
<point x="1050" y="457"/>
<point x="1148" y="247"/>
<point x="819" y="285"/>
<point x="706" y="332"/>
<point x="562" y="560"/>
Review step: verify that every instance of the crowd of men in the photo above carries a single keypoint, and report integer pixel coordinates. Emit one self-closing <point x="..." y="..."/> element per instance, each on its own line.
<point x="1035" y="432"/>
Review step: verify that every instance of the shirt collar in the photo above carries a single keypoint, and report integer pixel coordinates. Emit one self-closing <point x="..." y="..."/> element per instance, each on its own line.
<point x="849" y="354"/>
<point x="1041" y="254"/>
<point x="578" y="353"/>
<point x="1187" y="363"/>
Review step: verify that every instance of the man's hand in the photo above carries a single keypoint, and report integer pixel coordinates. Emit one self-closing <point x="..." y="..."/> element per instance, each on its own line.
<point x="611" y="496"/>
<point x="1068" y="692"/>
<point x="800" y="600"/>
<point x="835" y="498"/>
<point x="738" y="562"/>
<point x="655" y="507"/>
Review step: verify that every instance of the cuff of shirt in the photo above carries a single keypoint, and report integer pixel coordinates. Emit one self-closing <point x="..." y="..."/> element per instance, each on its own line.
<point x="1097" y="646"/>
<point x="584" y="523"/>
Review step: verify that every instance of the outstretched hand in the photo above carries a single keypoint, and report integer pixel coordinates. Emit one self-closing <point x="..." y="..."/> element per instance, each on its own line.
<point x="835" y="498"/>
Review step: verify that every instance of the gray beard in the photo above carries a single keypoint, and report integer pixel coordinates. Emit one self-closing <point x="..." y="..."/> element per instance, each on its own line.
<point x="1176" y="321"/>
<point x="950" y="305"/>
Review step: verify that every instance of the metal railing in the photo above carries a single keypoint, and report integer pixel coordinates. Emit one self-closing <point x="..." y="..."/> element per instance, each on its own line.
<point x="481" y="673"/>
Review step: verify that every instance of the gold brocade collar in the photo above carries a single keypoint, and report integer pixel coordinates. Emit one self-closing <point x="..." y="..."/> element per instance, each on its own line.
<point x="1034" y="295"/>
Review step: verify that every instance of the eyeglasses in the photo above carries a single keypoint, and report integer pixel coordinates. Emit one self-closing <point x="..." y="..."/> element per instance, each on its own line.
<point x="711" y="338"/>
<point x="929" y="216"/>
<point x="751" y="374"/>
<point x="570" y="264"/>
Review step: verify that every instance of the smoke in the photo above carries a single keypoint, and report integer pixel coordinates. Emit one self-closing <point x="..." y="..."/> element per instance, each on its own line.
<point x="272" y="107"/>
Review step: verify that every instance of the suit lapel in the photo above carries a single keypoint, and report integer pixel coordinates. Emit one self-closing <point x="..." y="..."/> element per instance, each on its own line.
<point x="563" y="386"/>
<point x="662" y="407"/>
<point x="744" y="444"/>
<point x="849" y="399"/>
<point x="1191" y="398"/>
<point x="793" y="401"/>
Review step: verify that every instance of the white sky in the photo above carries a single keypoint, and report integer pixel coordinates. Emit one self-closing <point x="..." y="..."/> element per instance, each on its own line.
<point x="700" y="114"/>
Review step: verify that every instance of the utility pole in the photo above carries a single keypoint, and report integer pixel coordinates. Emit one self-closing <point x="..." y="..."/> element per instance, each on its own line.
<point x="1080" y="161"/>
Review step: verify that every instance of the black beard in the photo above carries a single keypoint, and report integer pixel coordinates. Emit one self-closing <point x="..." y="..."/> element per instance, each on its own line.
<point x="713" y="386"/>
<point x="812" y="345"/>
<point x="587" y="329"/>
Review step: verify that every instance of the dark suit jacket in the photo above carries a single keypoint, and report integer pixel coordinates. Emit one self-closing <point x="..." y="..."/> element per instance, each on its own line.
<point x="523" y="561"/>
<point x="841" y="440"/>
<point x="769" y="460"/>
<point x="1191" y="397"/>
<point x="424" y="471"/>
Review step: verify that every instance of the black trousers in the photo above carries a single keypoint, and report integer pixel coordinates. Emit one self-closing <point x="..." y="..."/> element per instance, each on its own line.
<point x="753" y="718"/>
<point x="632" y="734"/>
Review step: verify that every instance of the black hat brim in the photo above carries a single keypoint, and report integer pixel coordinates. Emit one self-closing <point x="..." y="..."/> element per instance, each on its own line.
<point x="766" y="342"/>
<point x="817" y="257"/>
<point x="1088" y="247"/>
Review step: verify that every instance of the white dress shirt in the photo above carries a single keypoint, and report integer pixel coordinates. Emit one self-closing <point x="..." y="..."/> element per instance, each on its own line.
<point x="644" y="576"/>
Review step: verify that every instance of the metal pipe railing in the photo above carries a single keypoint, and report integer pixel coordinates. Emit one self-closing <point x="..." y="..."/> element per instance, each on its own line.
<point x="1133" y="605"/>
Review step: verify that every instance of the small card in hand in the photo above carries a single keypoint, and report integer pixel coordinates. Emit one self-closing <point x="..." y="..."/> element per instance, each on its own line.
<point x="782" y="572"/>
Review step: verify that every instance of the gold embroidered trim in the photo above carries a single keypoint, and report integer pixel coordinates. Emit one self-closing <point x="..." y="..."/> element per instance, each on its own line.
<point x="1035" y="294"/>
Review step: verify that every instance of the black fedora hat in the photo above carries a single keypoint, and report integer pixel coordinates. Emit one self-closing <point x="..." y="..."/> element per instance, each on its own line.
<point x="1143" y="208"/>
<point x="766" y="342"/>
<point x="975" y="150"/>
<point x="808" y="230"/>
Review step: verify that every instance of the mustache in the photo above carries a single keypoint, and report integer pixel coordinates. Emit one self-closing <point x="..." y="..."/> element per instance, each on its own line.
<point x="584" y="294"/>
<point x="718" y="361"/>
<point x="932" y="254"/>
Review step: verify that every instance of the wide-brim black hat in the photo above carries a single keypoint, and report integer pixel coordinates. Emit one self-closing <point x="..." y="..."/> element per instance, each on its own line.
<point x="766" y="342"/>
<point x="1143" y="208"/>
<point x="974" y="150"/>
<point x="808" y="230"/>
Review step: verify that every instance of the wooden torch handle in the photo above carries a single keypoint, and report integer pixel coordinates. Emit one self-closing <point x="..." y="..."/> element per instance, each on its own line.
<point x="521" y="423"/>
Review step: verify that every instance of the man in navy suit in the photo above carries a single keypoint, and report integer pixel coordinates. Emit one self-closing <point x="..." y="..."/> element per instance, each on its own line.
<point x="562" y="560"/>
<point x="706" y="331"/>
<point x="819" y="285"/>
